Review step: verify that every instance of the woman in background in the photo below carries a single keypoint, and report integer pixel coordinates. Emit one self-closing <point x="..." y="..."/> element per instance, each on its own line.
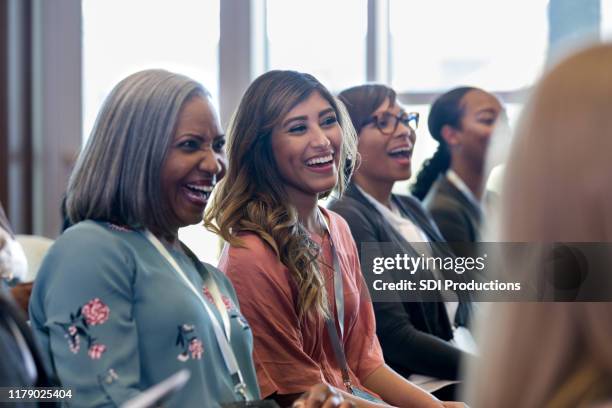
<point x="452" y="181"/>
<point x="286" y="144"/>
<point x="120" y="304"/>
<point x="556" y="189"/>
<point x="416" y="337"/>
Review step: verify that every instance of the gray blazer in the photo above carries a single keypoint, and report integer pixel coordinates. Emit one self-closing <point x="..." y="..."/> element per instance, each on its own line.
<point x="458" y="218"/>
<point x="413" y="335"/>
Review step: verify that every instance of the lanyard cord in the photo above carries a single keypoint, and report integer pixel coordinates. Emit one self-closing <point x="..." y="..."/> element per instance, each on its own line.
<point x="335" y="337"/>
<point x="221" y="335"/>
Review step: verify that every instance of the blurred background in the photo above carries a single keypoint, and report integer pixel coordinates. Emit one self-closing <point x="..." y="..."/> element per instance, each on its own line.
<point x="60" y="58"/>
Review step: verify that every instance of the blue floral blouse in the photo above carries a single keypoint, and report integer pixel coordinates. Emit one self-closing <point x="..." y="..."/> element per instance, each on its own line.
<point x="113" y="318"/>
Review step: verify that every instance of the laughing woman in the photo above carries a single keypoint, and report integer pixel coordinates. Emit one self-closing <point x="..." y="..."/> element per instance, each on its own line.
<point x="120" y="304"/>
<point x="294" y="264"/>
<point x="416" y="337"/>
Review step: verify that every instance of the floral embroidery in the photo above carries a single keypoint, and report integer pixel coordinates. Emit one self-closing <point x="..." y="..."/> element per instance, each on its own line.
<point x="95" y="351"/>
<point x="117" y="227"/>
<point x="227" y="302"/>
<point x="93" y="313"/>
<point x="208" y="295"/>
<point x="189" y="343"/>
<point x="229" y="305"/>
<point x="196" y="349"/>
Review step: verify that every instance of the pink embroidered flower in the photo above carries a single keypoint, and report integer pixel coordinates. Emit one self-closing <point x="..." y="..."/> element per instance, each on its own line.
<point x="95" y="312"/>
<point x="72" y="330"/>
<point x="96" y="350"/>
<point x="227" y="302"/>
<point x="182" y="357"/>
<point x="196" y="349"/>
<point x="208" y="295"/>
<point x="74" y="343"/>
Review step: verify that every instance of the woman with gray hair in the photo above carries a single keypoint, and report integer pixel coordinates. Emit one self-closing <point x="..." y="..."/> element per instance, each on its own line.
<point x="120" y="304"/>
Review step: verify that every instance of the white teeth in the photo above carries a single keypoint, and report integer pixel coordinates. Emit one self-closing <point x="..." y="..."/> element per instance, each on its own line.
<point x="204" y="189"/>
<point x="401" y="150"/>
<point x="319" y="160"/>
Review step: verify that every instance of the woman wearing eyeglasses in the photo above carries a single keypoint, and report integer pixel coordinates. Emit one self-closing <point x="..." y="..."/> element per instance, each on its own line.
<point x="451" y="182"/>
<point x="416" y="337"/>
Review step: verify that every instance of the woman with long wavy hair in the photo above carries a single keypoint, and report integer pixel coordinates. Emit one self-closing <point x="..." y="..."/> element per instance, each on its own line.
<point x="120" y="303"/>
<point x="294" y="264"/>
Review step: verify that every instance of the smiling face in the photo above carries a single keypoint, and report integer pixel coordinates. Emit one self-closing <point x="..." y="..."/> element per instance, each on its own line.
<point x="480" y="113"/>
<point x="195" y="162"/>
<point x="385" y="158"/>
<point x="306" y="147"/>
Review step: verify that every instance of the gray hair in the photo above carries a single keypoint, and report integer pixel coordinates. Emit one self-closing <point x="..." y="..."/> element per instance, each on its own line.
<point x="117" y="176"/>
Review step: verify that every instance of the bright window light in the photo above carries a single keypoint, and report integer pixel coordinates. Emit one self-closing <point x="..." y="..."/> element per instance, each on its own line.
<point x="324" y="38"/>
<point x="121" y="37"/>
<point x="440" y="44"/>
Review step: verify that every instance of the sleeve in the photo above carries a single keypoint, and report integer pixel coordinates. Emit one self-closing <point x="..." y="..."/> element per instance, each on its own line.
<point x="402" y="343"/>
<point x="81" y="312"/>
<point x="261" y="283"/>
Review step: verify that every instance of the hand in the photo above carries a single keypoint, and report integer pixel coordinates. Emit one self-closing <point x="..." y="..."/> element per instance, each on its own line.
<point x="322" y="396"/>
<point x="21" y="293"/>
<point x="453" y="404"/>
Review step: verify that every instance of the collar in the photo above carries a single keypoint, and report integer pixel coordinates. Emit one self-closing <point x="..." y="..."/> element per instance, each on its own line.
<point x="456" y="181"/>
<point x="383" y="209"/>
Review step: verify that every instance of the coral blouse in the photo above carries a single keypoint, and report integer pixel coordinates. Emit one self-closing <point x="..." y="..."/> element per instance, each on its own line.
<point x="292" y="354"/>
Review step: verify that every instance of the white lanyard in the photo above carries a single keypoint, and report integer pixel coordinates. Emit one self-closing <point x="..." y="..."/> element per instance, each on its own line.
<point x="338" y="289"/>
<point x="222" y="336"/>
<point x="337" y="341"/>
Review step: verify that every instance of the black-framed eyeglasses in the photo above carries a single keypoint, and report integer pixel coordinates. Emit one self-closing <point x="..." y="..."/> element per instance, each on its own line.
<point x="387" y="122"/>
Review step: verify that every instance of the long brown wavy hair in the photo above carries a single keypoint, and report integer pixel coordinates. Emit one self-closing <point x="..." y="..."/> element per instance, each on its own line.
<point x="252" y="195"/>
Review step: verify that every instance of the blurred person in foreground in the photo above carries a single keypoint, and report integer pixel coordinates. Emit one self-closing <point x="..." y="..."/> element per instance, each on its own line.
<point x="556" y="189"/>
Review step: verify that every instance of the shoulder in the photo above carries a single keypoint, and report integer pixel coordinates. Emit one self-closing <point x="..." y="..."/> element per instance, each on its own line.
<point x="252" y="255"/>
<point x="349" y="207"/>
<point x="444" y="206"/>
<point x="355" y="213"/>
<point x="91" y="238"/>
<point x="414" y="207"/>
<point x="252" y="247"/>
<point x="336" y="220"/>
<point x="441" y="196"/>
<point x="89" y="249"/>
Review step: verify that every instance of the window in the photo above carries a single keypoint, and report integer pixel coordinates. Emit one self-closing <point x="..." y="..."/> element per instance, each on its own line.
<point x="606" y="19"/>
<point x="324" y="38"/>
<point x="122" y="37"/>
<point x="440" y="44"/>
